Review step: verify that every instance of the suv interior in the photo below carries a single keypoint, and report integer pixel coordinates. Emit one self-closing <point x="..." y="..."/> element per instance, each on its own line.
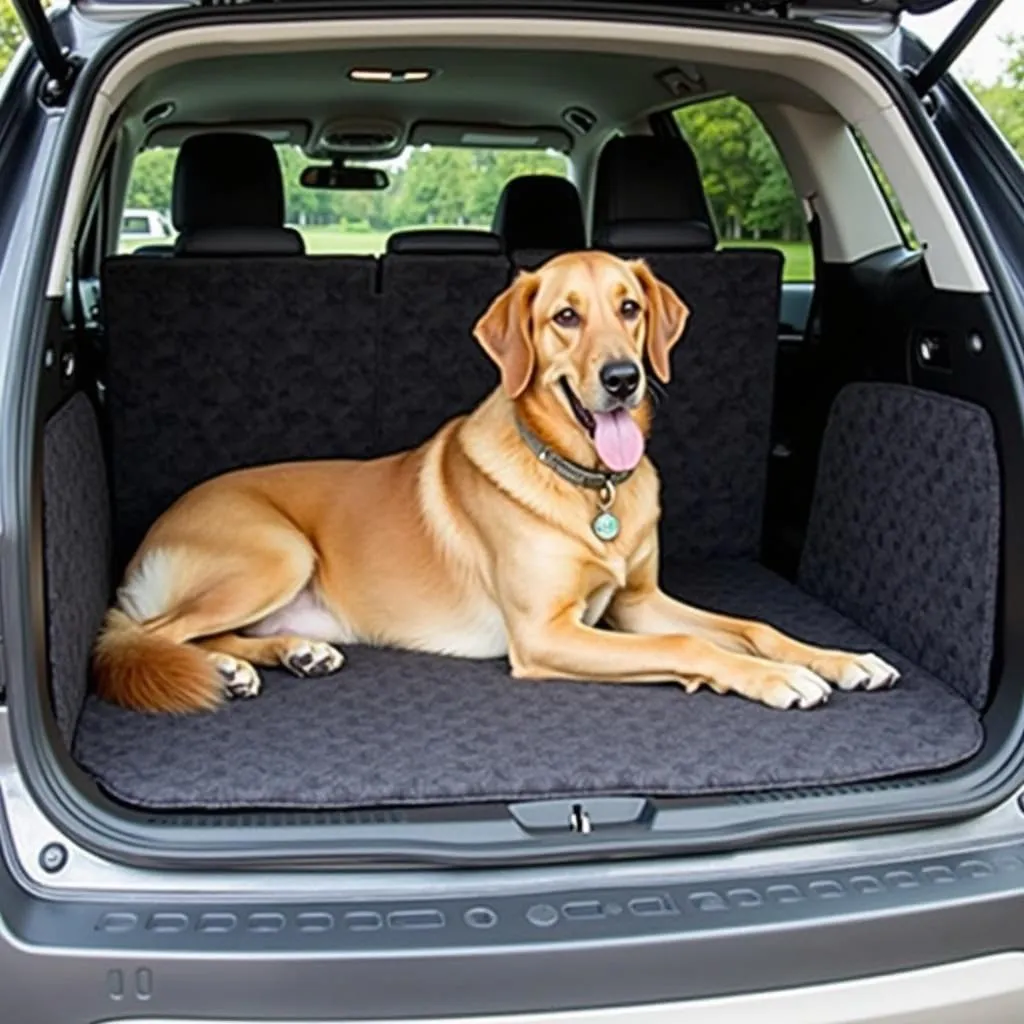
<point x="841" y="456"/>
<point x="832" y="481"/>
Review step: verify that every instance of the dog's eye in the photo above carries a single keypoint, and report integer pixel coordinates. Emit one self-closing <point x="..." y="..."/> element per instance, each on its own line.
<point x="567" y="317"/>
<point x="629" y="309"/>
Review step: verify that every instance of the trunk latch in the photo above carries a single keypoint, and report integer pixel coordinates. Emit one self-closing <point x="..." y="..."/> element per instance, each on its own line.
<point x="579" y="820"/>
<point x="582" y="817"/>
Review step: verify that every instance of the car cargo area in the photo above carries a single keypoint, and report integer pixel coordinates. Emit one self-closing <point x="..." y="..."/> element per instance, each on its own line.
<point x="215" y="363"/>
<point x="235" y="347"/>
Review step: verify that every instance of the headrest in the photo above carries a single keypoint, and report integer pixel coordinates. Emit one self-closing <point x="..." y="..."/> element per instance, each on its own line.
<point x="227" y="180"/>
<point x="648" y="197"/>
<point x="445" y="242"/>
<point x="540" y="211"/>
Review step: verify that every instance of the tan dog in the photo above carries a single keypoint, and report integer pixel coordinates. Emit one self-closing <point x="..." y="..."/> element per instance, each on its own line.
<point x="500" y="534"/>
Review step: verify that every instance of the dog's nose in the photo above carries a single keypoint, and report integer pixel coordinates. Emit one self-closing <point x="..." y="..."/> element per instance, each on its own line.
<point x="620" y="379"/>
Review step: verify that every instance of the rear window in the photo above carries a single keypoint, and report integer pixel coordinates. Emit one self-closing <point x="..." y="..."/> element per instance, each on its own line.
<point x="430" y="186"/>
<point x="752" y="198"/>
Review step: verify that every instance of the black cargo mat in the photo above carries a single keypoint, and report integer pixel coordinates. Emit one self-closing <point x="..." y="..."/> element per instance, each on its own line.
<point x="396" y="728"/>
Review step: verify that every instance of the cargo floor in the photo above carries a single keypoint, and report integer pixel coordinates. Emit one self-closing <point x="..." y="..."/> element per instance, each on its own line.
<point x="398" y="728"/>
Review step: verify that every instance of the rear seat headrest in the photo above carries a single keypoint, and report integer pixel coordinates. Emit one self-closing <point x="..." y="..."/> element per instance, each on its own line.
<point x="542" y="212"/>
<point x="649" y="197"/>
<point x="445" y="242"/>
<point x="228" y="197"/>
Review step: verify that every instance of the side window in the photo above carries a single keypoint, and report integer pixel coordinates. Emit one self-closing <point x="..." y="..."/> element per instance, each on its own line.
<point x="752" y="198"/>
<point x="429" y="186"/>
<point x="888" y="191"/>
<point x="146" y="217"/>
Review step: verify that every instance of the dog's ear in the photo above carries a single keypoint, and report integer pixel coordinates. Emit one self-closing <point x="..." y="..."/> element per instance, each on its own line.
<point x="666" y="319"/>
<point x="505" y="333"/>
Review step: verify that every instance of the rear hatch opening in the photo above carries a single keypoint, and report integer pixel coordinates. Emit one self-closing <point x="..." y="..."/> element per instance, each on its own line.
<point x="190" y="365"/>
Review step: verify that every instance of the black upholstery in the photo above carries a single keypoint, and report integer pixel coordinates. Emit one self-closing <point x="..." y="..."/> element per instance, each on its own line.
<point x="429" y="368"/>
<point x="441" y="241"/>
<point x="241" y="242"/>
<point x="712" y="432"/>
<point x="904" y="530"/>
<point x="228" y="198"/>
<point x="648" y="196"/>
<point x="213" y="364"/>
<point x="406" y="728"/>
<point x="540" y="214"/>
<point x="216" y="363"/>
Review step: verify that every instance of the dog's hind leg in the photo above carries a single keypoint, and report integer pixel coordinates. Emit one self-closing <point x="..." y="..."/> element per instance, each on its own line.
<point x="147" y="656"/>
<point x="300" y="655"/>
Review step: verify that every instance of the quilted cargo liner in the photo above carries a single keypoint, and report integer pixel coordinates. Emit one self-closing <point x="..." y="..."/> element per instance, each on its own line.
<point x="404" y="729"/>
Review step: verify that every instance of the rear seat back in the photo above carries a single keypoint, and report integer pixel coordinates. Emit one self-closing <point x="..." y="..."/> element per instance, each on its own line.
<point x="217" y="363"/>
<point x="711" y="432"/>
<point x="434" y="286"/>
<point x="221" y="362"/>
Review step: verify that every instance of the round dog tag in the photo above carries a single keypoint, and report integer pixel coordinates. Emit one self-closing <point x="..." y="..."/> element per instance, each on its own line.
<point x="606" y="526"/>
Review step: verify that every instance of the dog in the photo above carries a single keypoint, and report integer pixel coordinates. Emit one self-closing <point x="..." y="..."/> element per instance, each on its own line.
<point x="514" y="531"/>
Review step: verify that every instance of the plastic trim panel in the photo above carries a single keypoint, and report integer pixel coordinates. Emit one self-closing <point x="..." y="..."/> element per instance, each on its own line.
<point x="567" y="949"/>
<point x="989" y="989"/>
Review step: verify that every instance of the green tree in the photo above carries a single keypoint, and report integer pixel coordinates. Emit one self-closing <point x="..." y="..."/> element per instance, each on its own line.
<point x="149" y="186"/>
<point x="1004" y="98"/>
<point x="747" y="185"/>
<point x="10" y="33"/>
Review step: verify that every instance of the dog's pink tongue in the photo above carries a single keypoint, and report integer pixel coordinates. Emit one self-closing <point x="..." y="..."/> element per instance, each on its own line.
<point x="618" y="440"/>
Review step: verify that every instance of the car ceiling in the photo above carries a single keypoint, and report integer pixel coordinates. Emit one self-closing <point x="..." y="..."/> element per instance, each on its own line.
<point x="471" y="86"/>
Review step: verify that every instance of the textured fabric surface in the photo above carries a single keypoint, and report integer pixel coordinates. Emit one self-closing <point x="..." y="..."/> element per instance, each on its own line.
<point x="401" y="728"/>
<point x="711" y="433"/>
<point x="904" y="529"/>
<point x="429" y="366"/>
<point x="214" y="364"/>
<point x="76" y="537"/>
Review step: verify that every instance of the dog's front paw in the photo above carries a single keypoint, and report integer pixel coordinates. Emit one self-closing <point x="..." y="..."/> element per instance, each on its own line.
<point x="792" y="686"/>
<point x="311" y="658"/>
<point x="859" y="672"/>
<point x="241" y="680"/>
<point x="779" y="686"/>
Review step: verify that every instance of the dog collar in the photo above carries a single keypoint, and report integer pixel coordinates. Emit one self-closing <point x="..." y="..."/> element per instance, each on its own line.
<point x="605" y="524"/>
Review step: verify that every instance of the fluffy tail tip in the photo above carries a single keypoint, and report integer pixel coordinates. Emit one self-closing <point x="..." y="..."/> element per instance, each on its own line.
<point x="143" y="671"/>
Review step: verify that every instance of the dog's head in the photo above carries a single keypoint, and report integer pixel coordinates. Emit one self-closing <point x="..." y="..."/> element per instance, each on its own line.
<point x="570" y="340"/>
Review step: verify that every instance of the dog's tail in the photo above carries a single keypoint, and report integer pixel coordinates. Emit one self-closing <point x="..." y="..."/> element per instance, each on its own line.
<point x="139" y="669"/>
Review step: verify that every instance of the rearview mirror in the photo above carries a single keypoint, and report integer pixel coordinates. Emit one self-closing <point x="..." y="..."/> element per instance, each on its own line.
<point x="341" y="177"/>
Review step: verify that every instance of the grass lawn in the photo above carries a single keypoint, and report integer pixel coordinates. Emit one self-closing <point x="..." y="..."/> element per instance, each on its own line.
<point x="332" y="240"/>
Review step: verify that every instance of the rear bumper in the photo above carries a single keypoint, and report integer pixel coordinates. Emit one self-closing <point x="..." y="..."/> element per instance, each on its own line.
<point x="984" y="991"/>
<point x="930" y="939"/>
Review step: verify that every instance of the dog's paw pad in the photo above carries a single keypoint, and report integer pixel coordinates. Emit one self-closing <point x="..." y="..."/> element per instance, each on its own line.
<point x="313" y="659"/>
<point x="241" y="680"/>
